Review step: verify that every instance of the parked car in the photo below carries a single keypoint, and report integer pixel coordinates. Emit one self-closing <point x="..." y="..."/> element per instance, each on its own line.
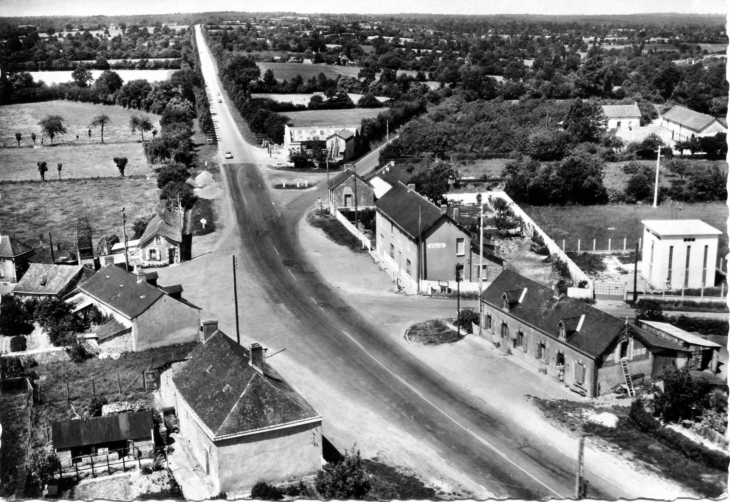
<point x="229" y="155"/>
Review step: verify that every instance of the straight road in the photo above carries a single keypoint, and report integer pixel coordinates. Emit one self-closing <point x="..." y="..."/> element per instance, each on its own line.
<point x="364" y="363"/>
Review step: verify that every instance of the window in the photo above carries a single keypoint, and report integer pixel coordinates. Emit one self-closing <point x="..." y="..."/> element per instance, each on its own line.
<point x="651" y="259"/>
<point x="704" y="267"/>
<point x="391" y="229"/>
<point x="408" y="267"/>
<point x="541" y="351"/>
<point x="488" y="322"/>
<point x="460" y="246"/>
<point x="392" y="251"/>
<point x="580" y="373"/>
<point x="686" y="267"/>
<point x="669" y="272"/>
<point x="520" y="340"/>
<point x="505" y="331"/>
<point x="158" y="239"/>
<point x="561" y="330"/>
<point x="348" y="200"/>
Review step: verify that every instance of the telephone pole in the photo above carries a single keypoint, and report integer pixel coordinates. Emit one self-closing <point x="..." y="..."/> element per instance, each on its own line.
<point x="50" y="241"/>
<point x="124" y="231"/>
<point x="636" y="273"/>
<point x="656" y="181"/>
<point x="418" y="274"/>
<point x="481" y="255"/>
<point x="580" y="488"/>
<point x="235" y="300"/>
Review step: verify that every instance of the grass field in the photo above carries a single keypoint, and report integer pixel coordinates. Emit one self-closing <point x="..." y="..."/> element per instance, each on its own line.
<point x="353" y="116"/>
<point x="32" y="208"/>
<point x="307" y="71"/>
<point x="83" y="161"/>
<point x="59" y="77"/>
<point x="615" y="178"/>
<point x="592" y="222"/>
<point x="480" y="167"/>
<point x="303" y="99"/>
<point x="24" y="118"/>
<point x="15" y="421"/>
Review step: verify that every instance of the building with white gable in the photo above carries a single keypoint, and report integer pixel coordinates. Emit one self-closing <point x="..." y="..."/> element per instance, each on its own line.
<point x="679" y="254"/>
<point x="622" y="116"/>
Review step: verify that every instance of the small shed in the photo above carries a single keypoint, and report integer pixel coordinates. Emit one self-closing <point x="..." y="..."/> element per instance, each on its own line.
<point x="99" y="435"/>
<point x="704" y="354"/>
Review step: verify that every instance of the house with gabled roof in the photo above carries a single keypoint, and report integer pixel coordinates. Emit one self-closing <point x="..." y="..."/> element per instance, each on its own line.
<point x="44" y="280"/>
<point x="243" y="421"/>
<point x="348" y="190"/>
<point x="142" y="315"/>
<point x="163" y="239"/>
<point x="685" y="124"/>
<point x="587" y="350"/>
<point x="341" y="145"/>
<point x="418" y="241"/>
<point x="337" y="139"/>
<point x="622" y="116"/>
<point x="14" y="256"/>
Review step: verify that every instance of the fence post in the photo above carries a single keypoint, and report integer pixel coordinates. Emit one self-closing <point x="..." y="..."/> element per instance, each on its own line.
<point x="124" y="465"/>
<point x="119" y="383"/>
<point x="563" y="245"/>
<point x="77" y="470"/>
<point x="108" y="467"/>
<point x="722" y="290"/>
<point x="609" y="244"/>
<point x="702" y="292"/>
<point x="93" y="386"/>
<point x="594" y="245"/>
<point x="91" y="457"/>
<point x="144" y="381"/>
<point x="579" y="245"/>
<point x="624" y="244"/>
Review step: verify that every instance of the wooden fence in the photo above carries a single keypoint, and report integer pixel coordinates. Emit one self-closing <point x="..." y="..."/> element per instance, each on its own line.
<point x="366" y="242"/>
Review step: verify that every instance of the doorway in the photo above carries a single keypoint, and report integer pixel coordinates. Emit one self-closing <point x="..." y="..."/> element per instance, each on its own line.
<point x="171" y="255"/>
<point x="624" y="350"/>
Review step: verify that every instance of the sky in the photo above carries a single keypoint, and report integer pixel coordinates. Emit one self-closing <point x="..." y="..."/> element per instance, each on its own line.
<point x="462" y="7"/>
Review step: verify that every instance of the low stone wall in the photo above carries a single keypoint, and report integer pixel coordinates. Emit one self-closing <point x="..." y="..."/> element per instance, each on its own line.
<point x="434" y="287"/>
<point x="366" y="243"/>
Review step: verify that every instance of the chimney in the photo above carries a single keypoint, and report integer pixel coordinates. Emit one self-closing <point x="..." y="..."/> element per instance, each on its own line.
<point x="411" y="187"/>
<point x="208" y="327"/>
<point x="561" y="289"/>
<point x="444" y="208"/>
<point x="256" y="359"/>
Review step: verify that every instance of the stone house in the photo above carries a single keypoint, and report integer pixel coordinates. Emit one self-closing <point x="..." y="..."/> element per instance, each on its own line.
<point x="43" y="280"/>
<point x="348" y="190"/>
<point x="342" y="145"/>
<point x="419" y="241"/>
<point x="703" y="354"/>
<point x="244" y="422"/>
<point x="587" y="350"/>
<point x="116" y="435"/>
<point x="162" y="241"/>
<point x="142" y="314"/>
<point x="685" y="124"/>
<point x="622" y="116"/>
<point x="14" y="256"/>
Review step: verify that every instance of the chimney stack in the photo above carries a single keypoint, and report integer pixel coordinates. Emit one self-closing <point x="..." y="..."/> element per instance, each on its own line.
<point x="256" y="359"/>
<point x="444" y="208"/>
<point x="411" y="187"/>
<point x="209" y="326"/>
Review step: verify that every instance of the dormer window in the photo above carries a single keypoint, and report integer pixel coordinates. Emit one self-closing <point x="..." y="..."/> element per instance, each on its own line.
<point x="505" y="302"/>
<point x="158" y="239"/>
<point x="561" y="330"/>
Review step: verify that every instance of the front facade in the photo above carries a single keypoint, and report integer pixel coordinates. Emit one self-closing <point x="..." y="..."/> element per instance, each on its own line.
<point x="14" y="256"/>
<point x="406" y="222"/>
<point x="679" y="254"/>
<point x="579" y="346"/>
<point x="685" y="124"/>
<point x="162" y="241"/>
<point x="622" y="116"/>
<point x="295" y="137"/>
<point x="348" y="190"/>
<point x="244" y="423"/>
<point x="143" y="314"/>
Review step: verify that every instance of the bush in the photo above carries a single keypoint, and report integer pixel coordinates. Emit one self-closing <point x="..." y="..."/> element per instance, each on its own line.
<point x="78" y="352"/>
<point x="15" y="318"/>
<point x="675" y="440"/>
<point x="639" y="188"/>
<point x="264" y="491"/>
<point x="96" y="404"/>
<point x="467" y="319"/>
<point x="700" y="325"/>
<point x="17" y="344"/>
<point x="345" y="479"/>
<point x="11" y="367"/>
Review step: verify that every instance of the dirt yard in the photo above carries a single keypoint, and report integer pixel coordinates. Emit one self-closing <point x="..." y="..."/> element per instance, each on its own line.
<point x="129" y="486"/>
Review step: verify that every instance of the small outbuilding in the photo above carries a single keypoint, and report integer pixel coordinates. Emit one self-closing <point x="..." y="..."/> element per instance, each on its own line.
<point x="622" y="116"/>
<point x="703" y="354"/>
<point x="43" y="280"/>
<point x="348" y="190"/>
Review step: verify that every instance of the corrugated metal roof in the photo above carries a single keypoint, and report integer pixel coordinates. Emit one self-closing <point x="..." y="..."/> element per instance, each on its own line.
<point x="681" y="334"/>
<point x="98" y="430"/>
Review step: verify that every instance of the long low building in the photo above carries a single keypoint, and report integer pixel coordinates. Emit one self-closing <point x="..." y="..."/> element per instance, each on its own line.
<point x="685" y="124"/>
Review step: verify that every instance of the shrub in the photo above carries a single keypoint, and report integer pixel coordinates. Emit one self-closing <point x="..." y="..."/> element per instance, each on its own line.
<point x="14" y="317"/>
<point x="78" y="352"/>
<point x="17" y="344"/>
<point x="11" y="367"/>
<point x="264" y="491"/>
<point x="43" y="463"/>
<point x="467" y="319"/>
<point x="700" y="325"/>
<point x="345" y="479"/>
<point x="639" y="187"/>
<point x="96" y="404"/>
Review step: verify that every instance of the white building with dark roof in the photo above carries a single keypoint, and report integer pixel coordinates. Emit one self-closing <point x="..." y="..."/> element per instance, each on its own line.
<point x="679" y="254"/>
<point x="685" y="124"/>
<point x="340" y="141"/>
<point x="243" y="422"/>
<point x="622" y="116"/>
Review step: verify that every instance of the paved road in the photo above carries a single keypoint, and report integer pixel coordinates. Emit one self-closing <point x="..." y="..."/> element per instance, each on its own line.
<point x="359" y="359"/>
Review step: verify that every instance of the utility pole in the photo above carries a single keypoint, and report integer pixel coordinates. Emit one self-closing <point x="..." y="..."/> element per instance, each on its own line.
<point x="124" y="231"/>
<point x="329" y="197"/>
<point x="481" y="254"/>
<point x="418" y="274"/>
<point x="354" y="178"/>
<point x="656" y="181"/>
<point x="387" y="131"/>
<point x="636" y="273"/>
<point x="458" y="298"/>
<point x="50" y="241"/>
<point x="579" y="481"/>
<point x="235" y="300"/>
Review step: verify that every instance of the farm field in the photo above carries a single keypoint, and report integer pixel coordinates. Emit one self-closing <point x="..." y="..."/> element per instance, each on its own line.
<point x="15" y="421"/>
<point x="32" y="208"/>
<point x="82" y="161"/>
<point x="303" y="99"/>
<point x="307" y="71"/>
<point x="615" y="178"/>
<point x="58" y="77"/>
<point x="592" y="222"/>
<point x="352" y="116"/>
<point x="480" y="167"/>
<point x="24" y="118"/>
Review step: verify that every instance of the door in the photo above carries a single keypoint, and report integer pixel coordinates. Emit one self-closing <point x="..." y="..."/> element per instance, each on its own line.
<point x="624" y="349"/>
<point x="348" y="200"/>
<point x="171" y="255"/>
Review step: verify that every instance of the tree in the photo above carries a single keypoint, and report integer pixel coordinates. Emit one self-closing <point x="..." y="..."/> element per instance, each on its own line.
<point x="109" y="82"/>
<point x="434" y="182"/>
<point x="14" y="317"/>
<point x="585" y="120"/>
<point x="33" y="137"/>
<point x="667" y="78"/>
<point x="57" y="318"/>
<point x="369" y="101"/>
<point x="639" y="187"/>
<point x="18" y="137"/>
<point x="170" y="173"/>
<point x="52" y="125"/>
<point x="680" y="393"/>
<point x="344" y="480"/>
<point x="101" y="121"/>
<point x="44" y="463"/>
<point x="60" y="166"/>
<point x="140" y="123"/>
<point x="42" y="169"/>
<point x="178" y="191"/>
<point x="121" y="163"/>
<point x="82" y="76"/>
<point x="680" y="167"/>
